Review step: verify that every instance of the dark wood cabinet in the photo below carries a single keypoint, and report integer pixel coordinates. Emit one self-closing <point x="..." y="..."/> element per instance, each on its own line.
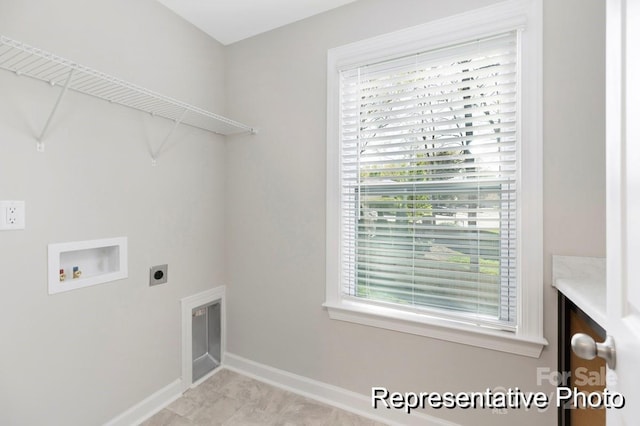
<point x="585" y="375"/>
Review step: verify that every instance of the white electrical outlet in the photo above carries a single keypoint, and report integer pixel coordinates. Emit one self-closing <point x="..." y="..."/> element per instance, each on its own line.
<point x="11" y="215"/>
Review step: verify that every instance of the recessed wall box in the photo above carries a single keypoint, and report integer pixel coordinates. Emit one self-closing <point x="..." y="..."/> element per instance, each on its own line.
<point x="206" y="339"/>
<point x="85" y="263"/>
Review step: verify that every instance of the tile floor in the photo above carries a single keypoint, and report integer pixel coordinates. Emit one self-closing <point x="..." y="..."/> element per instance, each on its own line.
<point x="231" y="399"/>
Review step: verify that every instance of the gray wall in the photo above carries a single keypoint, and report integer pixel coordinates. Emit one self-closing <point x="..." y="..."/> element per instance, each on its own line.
<point x="85" y="356"/>
<point x="254" y="207"/>
<point x="574" y="160"/>
<point x="275" y="213"/>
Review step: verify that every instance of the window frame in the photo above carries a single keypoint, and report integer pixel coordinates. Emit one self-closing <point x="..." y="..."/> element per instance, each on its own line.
<point x="525" y="16"/>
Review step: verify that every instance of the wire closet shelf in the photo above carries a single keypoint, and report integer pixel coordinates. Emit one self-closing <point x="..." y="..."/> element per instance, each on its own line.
<point x="26" y="60"/>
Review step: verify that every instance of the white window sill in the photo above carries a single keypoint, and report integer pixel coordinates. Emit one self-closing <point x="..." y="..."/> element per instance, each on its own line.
<point x="437" y="328"/>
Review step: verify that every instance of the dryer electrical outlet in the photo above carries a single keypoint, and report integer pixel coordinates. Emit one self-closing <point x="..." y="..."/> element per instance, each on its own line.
<point x="12" y="215"/>
<point x="158" y="274"/>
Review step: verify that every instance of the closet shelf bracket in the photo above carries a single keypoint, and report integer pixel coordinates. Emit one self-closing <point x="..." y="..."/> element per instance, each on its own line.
<point x="25" y="60"/>
<point x="40" y="144"/>
<point x="154" y="155"/>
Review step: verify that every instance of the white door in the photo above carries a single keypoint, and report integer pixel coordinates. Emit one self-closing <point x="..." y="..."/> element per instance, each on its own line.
<point x="623" y="205"/>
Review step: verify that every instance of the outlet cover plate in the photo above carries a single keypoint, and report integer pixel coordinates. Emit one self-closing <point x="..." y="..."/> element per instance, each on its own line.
<point x="158" y="274"/>
<point x="12" y="215"/>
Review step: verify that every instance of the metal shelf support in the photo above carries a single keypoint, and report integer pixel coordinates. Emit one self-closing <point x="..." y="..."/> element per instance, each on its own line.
<point x="40" y="144"/>
<point x="154" y="155"/>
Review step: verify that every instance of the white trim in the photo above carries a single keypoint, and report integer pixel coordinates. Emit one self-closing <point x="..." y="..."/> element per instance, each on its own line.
<point x="149" y="406"/>
<point x="187" y="305"/>
<point x="530" y="197"/>
<point x="437" y="328"/>
<point x="525" y="15"/>
<point x="493" y="19"/>
<point x="338" y="397"/>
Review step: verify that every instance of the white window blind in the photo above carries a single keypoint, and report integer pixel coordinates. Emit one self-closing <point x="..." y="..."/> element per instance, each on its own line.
<point x="428" y="181"/>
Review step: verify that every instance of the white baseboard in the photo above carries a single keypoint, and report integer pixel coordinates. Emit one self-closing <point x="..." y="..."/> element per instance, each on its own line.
<point x="338" y="397"/>
<point x="149" y="406"/>
<point x="328" y="394"/>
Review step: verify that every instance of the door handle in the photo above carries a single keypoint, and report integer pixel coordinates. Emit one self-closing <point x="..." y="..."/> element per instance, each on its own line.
<point x="585" y="347"/>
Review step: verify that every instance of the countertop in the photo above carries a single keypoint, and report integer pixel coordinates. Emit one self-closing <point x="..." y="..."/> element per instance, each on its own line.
<point x="583" y="281"/>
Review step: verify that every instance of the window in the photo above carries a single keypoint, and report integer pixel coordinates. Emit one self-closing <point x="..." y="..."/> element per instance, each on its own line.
<point x="426" y="185"/>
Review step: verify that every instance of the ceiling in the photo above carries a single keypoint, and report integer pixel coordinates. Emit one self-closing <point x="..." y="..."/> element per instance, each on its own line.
<point x="229" y="21"/>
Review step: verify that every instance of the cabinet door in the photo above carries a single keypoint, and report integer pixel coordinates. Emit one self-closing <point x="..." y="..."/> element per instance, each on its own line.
<point x="586" y="375"/>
